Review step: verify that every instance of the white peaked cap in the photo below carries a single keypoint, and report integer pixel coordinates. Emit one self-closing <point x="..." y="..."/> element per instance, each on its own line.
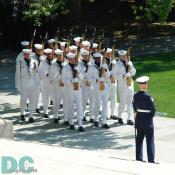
<point x="58" y="52"/>
<point x="94" y="45"/>
<point x="38" y="46"/>
<point x="51" y="41"/>
<point x="73" y="47"/>
<point x="77" y="39"/>
<point x="70" y="55"/>
<point x="108" y="50"/>
<point x="122" y="52"/>
<point x="25" y="43"/>
<point x="142" y="79"/>
<point x="86" y="43"/>
<point x="84" y="52"/>
<point x="97" y="55"/>
<point x="48" y="50"/>
<point x="27" y="51"/>
<point x="62" y="44"/>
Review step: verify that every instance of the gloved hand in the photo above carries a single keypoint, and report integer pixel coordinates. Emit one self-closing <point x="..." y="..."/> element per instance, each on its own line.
<point x="129" y="63"/>
<point x="128" y="75"/>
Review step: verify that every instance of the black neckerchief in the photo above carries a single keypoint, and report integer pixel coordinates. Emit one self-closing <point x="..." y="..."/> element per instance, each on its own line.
<point x="72" y="66"/>
<point x="37" y="57"/>
<point x="48" y="61"/>
<point x="97" y="65"/>
<point x="108" y="62"/>
<point x="59" y="64"/>
<point x="85" y="64"/>
<point x="27" y="61"/>
<point x="126" y="66"/>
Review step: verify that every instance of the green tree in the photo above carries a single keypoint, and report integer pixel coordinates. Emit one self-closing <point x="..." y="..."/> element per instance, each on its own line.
<point x="154" y="9"/>
<point x="35" y="10"/>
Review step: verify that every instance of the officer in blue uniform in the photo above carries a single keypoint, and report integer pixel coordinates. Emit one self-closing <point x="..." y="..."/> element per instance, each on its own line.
<point x="145" y="110"/>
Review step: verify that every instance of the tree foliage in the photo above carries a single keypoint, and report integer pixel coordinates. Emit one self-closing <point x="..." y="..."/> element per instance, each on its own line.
<point x="35" y="10"/>
<point x="154" y="9"/>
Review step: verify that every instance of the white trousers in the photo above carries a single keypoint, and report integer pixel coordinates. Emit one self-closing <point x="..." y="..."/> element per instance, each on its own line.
<point x="126" y="96"/>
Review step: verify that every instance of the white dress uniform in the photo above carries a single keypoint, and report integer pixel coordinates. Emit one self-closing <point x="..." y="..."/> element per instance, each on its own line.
<point x="46" y="87"/>
<point x="71" y="94"/>
<point x="25" y="83"/>
<point x="110" y="89"/>
<point x="58" y="89"/>
<point x="125" y="92"/>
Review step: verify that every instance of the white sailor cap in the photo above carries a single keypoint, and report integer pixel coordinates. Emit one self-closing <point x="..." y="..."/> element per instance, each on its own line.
<point x="108" y="50"/>
<point x="73" y="47"/>
<point x="62" y="44"/>
<point x="94" y="45"/>
<point x="142" y="80"/>
<point x="97" y="55"/>
<point x="38" y="46"/>
<point x="27" y="51"/>
<point x="84" y="52"/>
<point x="58" y="52"/>
<point x="48" y="50"/>
<point x="25" y="43"/>
<point x="70" y="55"/>
<point x="122" y="52"/>
<point x="51" y="41"/>
<point x="86" y="43"/>
<point x="77" y="39"/>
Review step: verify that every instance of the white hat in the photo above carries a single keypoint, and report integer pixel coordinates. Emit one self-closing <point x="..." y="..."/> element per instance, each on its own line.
<point x="108" y="50"/>
<point x="77" y="39"/>
<point x="51" y="41"/>
<point x="122" y="52"/>
<point x="48" y="50"/>
<point x="25" y="43"/>
<point x="62" y="44"/>
<point x="142" y="79"/>
<point x="38" y="46"/>
<point x="94" y="45"/>
<point x="58" y="52"/>
<point x="27" y="51"/>
<point x="70" y="55"/>
<point x="73" y="47"/>
<point x="97" y="55"/>
<point x="86" y="43"/>
<point x="84" y="52"/>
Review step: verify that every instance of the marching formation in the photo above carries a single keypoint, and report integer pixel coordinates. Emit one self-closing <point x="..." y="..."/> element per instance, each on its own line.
<point x="73" y="76"/>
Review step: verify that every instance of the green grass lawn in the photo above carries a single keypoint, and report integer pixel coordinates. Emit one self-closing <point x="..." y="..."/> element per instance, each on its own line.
<point x="161" y="70"/>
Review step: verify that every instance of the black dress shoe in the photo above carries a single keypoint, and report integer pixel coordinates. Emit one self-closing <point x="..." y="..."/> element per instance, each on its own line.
<point x="31" y="120"/>
<point x="27" y="105"/>
<point x="72" y="127"/>
<point x="106" y="126"/>
<point x="81" y="129"/>
<point x="114" y="117"/>
<point x="66" y="123"/>
<point x="130" y="122"/>
<point x="96" y="124"/>
<point x="23" y="118"/>
<point x="84" y="119"/>
<point x="91" y="120"/>
<point x="120" y="121"/>
<point x="61" y="106"/>
<point x="51" y="102"/>
<point x="38" y="111"/>
<point x="45" y="116"/>
<point x="56" y="120"/>
<point x="153" y="162"/>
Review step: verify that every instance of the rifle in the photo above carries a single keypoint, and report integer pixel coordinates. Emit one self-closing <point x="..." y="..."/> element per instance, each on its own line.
<point x="129" y="79"/>
<point x="33" y="37"/>
<point x="113" y="57"/>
